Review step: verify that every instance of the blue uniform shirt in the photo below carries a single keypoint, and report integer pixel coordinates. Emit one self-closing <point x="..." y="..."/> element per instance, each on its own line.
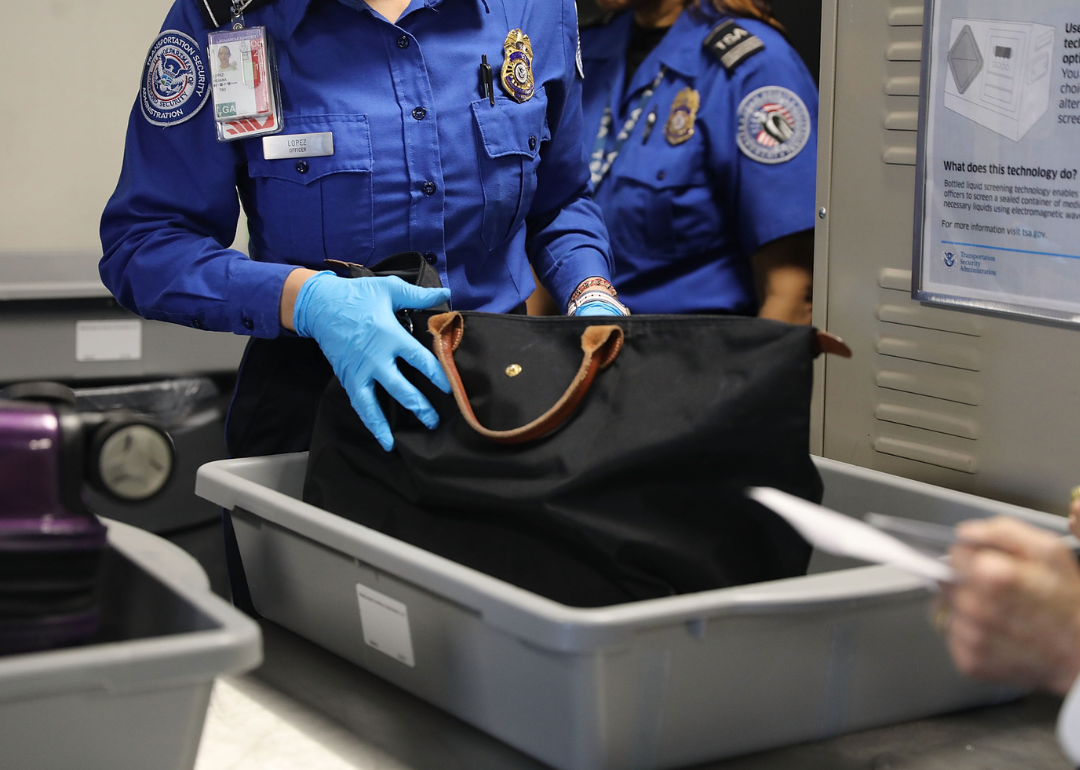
<point x="685" y="216"/>
<point x="420" y="163"/>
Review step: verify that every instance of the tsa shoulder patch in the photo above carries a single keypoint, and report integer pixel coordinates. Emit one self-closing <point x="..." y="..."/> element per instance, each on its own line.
<point x="732" y="44"/>
<point x="175" y="80"/>
<point x="774" y="125"/>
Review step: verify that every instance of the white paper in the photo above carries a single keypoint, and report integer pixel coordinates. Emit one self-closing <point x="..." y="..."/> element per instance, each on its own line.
<point x="842" y="535"/>
<point x="108" y="341"/>
<point x="386" y="624"/>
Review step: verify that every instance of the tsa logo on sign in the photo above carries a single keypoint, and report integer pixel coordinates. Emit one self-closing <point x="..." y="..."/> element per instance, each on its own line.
<point x="949" y="259"/>
<point x="174" y="85"/>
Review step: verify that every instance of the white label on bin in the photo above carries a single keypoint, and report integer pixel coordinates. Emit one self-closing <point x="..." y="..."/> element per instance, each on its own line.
<point x="386" y="624"/>
<point x="108" y="341"/>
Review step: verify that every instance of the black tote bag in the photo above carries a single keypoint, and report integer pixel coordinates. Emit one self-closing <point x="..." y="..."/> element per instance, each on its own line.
<point x="592" y="461"/>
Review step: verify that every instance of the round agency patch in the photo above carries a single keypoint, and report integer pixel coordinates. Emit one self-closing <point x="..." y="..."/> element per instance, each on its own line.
<point x="774" y="125"/>
<point x="174" y="83"/>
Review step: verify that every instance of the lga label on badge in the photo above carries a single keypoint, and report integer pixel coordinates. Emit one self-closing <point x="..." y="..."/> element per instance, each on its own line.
<point x="385" y="623"/>
<point x="298" y="145"/>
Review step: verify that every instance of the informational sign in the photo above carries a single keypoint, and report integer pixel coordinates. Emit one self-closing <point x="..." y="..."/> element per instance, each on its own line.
<point x="998" y="215"/>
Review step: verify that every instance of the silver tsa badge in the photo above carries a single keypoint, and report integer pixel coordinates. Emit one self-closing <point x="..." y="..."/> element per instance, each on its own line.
<point x="517" y="74"/>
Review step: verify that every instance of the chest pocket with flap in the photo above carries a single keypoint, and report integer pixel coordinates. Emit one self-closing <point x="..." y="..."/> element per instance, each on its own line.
<point x="662" y="200"/>
<point x="308" y="209"/>
<point x="508" y="138"/>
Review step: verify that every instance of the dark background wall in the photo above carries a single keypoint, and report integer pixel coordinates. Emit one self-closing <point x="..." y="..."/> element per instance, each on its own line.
<point x="801" y="18"/>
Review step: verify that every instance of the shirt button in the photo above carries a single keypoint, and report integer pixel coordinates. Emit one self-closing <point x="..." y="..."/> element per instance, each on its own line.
<point x="431" y="258"/>
<point x="661" y="175"/>
<point x="429" y="188"/>
<point x="302" y="166"/>
<point x="532" y="142"/>
<point x="197" y="323"/>
<point x="403" y="42"/>
<point x="419" y="113"/>
<point x="248" y="323"/>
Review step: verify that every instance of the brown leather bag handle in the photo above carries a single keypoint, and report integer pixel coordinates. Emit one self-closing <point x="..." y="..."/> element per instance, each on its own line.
<point x="600" y="344"/>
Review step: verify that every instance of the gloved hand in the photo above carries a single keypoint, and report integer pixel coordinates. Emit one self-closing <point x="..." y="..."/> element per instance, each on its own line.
<point x="353" y="321"/>
<point x="598" y="308"/>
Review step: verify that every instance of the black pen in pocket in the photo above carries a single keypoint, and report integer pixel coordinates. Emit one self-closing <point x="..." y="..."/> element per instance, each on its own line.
<point x="487" y="81"/>
<point x="649" y="123"/>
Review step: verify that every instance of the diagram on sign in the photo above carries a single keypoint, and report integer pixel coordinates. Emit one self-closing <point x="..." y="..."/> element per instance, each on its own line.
<point x="999" y="74"/>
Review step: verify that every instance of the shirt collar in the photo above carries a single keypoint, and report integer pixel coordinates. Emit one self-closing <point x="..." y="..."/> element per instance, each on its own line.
<point x="673" y="51"/>
<point x="613" y="38"/>
<point x="680" y="49"/>
<point x="291" y="12"/>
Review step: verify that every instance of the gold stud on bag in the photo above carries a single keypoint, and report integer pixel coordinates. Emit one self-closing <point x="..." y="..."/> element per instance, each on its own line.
<point x="517" y="74"/>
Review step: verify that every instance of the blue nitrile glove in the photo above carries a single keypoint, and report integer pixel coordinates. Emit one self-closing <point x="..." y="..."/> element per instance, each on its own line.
<point x="598" y="303"/>
<point x="353" y="321"/>
<point x="598" y="308"/>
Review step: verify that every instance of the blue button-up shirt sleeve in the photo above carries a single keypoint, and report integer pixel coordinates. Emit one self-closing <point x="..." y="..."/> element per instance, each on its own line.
<point x="775" y="197"/>
<point x="567" y="238"/>
<point x="166" y="230"/>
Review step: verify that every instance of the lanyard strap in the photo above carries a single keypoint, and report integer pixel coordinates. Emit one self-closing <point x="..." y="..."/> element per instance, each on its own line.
<point x="602" y="160"/>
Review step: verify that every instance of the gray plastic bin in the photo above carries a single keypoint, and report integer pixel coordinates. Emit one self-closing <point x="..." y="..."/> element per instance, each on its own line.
<point x="655" y="684"/>
<point x="137" y="699"/>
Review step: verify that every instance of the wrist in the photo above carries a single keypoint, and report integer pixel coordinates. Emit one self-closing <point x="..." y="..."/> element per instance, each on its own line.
<point x="594" y="285"/>
<point x="790" y="309"/>
<point x="596" y="297"/>
<point x="289" y="293"/>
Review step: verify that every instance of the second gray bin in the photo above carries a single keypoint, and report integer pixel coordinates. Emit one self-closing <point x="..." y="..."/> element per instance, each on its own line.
<point x="656" y="684"/>
<point x="136" y="698"/>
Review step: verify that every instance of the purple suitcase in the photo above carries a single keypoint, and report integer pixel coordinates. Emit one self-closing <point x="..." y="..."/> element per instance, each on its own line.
<point x="51" y="545"/>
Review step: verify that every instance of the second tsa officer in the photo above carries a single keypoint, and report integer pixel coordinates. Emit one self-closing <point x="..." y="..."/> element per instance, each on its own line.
<point x="704" y="157"/>
<point x="452" y="128"/>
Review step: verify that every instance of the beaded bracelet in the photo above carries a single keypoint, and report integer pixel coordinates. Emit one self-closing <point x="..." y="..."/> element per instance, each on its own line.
<point x="596" y="296"/>
<point x="590" y="283"/>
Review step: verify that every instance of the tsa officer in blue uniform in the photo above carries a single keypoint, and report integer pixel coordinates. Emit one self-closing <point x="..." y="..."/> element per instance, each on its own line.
<point x="704" y="158"/>
<point x="410" y="144"/>
<point x="417" y="153"/>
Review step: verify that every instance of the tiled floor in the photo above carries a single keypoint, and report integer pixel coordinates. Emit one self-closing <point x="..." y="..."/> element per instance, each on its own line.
<point x="251" y="726"/>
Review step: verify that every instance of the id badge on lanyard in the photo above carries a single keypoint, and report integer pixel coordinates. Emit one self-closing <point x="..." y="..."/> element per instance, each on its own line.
<point x="244" y="81"/>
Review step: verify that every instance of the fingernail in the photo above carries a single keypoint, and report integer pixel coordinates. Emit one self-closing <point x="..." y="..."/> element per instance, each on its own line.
<point x="430" y="420"/>
<point x="387" y="443"/>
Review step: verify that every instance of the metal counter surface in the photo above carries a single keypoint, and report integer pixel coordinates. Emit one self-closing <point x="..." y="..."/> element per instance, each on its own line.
<point x="308" y="708"/>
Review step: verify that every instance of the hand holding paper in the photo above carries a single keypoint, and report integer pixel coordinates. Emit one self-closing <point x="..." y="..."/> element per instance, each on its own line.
<point x="841" y="535"/>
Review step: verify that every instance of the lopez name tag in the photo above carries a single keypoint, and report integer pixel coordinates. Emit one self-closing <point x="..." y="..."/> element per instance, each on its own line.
<point x="298" y="145"/>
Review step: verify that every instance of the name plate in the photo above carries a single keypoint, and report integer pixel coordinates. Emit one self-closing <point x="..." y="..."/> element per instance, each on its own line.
<point x="298" y="145"/>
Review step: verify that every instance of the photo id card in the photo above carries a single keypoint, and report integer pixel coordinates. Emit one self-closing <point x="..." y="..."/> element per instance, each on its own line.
<point x="244" y="84"/>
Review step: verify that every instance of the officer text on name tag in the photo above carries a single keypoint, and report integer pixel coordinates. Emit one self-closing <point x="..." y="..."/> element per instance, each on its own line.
<point x="298" y="145"/>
